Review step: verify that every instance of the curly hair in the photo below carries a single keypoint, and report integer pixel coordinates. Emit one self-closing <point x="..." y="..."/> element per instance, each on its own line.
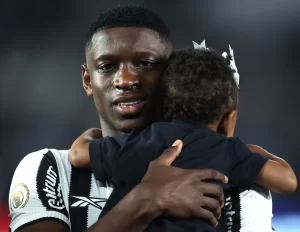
<point x="199" y="86"/>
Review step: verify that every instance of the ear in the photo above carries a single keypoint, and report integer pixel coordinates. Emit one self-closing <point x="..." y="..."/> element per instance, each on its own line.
<point x="86" y="80"/>
<point x="226" y="126"/>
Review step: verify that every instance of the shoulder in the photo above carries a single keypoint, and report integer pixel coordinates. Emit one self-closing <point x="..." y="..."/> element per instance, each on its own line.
<point x="34" y="159"/>
<point x="39" y="189"/>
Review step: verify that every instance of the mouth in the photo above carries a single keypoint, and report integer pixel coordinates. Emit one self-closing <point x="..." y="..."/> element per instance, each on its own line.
<point x="129" y="106"/>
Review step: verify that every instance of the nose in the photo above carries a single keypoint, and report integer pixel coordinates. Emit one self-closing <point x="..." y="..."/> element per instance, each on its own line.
<point x="127" y="80"/>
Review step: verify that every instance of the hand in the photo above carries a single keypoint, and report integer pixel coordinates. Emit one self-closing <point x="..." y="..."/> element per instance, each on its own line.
<point x="182" y="193"/>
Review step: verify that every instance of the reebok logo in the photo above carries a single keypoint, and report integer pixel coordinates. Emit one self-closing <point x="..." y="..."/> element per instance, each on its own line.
<point x="85" y="202"/>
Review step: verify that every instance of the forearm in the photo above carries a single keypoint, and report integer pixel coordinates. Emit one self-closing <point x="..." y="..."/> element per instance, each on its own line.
<point x="79" y="156"/>
<point x="87" y="137"/>
<point x="133" y="213"/>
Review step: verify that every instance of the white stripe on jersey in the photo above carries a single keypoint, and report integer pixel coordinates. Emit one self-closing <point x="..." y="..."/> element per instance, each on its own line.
<point x="98" y="189"/>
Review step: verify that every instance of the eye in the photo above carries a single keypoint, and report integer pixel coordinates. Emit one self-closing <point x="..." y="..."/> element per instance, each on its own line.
<point x="107" y="67"/>
<point x="145" y="64"/>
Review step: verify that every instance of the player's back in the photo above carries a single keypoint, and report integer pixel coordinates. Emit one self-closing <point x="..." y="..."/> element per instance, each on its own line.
<point x="203" y="148"/>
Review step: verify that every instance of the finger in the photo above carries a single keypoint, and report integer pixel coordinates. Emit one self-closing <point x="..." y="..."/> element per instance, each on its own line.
<point x="211" y="175"/>
<point x="212" y="205"/>
<point x="211" y="190"/>
<point x="219" y="198"/>
<point x="206" y="215"/>
<point x="170" y="154"/>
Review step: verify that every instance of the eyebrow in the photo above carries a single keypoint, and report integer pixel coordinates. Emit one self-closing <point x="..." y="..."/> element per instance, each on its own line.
<point x="137" y="54"/>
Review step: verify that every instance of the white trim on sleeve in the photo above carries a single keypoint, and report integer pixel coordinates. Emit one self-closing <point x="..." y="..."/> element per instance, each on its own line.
<point x="37" y="216"/>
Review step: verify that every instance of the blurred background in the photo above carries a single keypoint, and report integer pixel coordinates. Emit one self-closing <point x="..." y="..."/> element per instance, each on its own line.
<point x="43" y="104"/>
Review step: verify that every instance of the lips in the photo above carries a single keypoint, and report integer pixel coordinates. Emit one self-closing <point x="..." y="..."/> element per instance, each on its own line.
<point x="129" y="106"/>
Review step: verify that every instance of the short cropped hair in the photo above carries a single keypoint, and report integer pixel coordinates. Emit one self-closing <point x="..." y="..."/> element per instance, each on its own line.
<point x="128" y="16"/>
<point x="199" y="86"/>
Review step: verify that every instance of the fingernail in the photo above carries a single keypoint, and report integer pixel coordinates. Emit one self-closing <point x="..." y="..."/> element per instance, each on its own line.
<point x="226" y="179"/>
<point x="176" y="143"/>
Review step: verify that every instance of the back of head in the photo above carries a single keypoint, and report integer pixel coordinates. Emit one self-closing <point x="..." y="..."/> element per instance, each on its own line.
<point x="128" y="16"/>
<point x="199" y="86"/>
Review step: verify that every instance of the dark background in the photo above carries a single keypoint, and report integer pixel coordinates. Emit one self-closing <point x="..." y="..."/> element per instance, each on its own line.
<point x="43" y="104"/>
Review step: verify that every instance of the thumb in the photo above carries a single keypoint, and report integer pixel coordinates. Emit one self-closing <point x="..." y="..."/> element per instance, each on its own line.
<point x="170" y="154"/>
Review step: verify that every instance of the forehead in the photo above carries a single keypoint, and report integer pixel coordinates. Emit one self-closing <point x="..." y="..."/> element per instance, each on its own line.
<point x="128" y="40"/>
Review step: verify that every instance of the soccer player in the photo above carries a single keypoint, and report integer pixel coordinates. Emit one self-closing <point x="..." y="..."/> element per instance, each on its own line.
<point x="200" y="107"/>
<point x="126" y="53"/>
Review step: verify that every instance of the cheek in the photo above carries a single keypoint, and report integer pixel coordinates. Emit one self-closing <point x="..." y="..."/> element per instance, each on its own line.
<point x="152" y="83"/>
<point x="101" y="91"/>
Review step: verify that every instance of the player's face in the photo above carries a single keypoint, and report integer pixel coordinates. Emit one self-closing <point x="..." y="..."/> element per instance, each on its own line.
<point x="124" y="66"/>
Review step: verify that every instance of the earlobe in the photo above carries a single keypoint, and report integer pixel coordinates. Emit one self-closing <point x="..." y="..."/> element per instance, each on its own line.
<point x="86" y="80"/>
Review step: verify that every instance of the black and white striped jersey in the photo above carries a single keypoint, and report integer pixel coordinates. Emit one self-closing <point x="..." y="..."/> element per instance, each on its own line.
<point x="45" y="186"/>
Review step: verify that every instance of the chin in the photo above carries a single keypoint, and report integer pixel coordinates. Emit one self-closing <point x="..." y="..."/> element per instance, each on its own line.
<point x="127" y="125"/>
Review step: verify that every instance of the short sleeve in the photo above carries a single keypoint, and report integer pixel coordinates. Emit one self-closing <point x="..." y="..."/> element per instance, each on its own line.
<point x="36" y="192"/>
<point x="97" y="162"/>
<point x="103" y="154"/>
<point x="247" y="165"/>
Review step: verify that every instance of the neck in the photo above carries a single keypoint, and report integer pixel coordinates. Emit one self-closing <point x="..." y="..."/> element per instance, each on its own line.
<point x="108" y="130"/>
<point x="213" y="126"/>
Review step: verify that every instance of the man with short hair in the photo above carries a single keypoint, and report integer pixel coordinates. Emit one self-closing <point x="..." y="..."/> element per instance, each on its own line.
<point x="126" y="53"/>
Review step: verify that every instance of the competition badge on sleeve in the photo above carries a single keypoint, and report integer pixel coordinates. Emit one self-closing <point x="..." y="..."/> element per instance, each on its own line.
<point x="19" y="196"/>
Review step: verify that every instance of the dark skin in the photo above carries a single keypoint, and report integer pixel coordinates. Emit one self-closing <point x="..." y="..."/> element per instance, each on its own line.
<point x="127" y="63"/>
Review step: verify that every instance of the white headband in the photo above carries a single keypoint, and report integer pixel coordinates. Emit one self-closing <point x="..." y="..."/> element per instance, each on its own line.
<point x="232" y="64"/>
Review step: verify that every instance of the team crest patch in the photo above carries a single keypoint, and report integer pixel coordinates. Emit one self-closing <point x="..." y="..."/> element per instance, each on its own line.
<point x="49" y="186"/>
<point x="19" y="196"/>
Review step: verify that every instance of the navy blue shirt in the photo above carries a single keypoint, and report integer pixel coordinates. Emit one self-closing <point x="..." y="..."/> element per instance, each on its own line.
<point x="124" y="160"/>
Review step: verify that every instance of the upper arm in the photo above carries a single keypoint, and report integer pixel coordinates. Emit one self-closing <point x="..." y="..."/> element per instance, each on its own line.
<point x="36" y="196"/>
<point x="246" y="165"/>
<point x="274" y="176"/>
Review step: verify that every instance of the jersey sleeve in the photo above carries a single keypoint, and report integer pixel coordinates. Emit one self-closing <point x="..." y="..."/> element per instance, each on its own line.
<point x="97" y="162"/>
<point x="36" y="191"/>
<point x="247" y="165"/>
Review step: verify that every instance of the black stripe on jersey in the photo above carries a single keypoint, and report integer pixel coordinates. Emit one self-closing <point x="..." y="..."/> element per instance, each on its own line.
<point x="80" y="186"/>
<point x="233" y="209"/>
<point x="48" y="185"/>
